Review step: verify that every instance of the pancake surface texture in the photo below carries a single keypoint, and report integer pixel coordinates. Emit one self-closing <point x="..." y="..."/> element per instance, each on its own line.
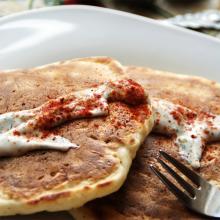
<point x="143" y="196"/>
<point x="54" y="180"/>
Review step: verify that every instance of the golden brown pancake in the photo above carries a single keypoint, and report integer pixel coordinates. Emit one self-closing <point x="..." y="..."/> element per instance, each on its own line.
<point x="143" y="196"/>
<point x="53" y="180"/>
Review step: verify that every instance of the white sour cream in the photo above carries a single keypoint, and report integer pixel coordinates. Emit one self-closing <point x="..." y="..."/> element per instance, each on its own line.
<point x="27" y="130"/>
<point x="192" y="130"/>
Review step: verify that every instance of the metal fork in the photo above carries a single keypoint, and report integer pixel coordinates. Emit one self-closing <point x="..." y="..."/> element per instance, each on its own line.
<point x="203" y="198"/>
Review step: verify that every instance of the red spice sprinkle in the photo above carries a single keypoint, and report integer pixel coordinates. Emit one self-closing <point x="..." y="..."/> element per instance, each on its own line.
<point x="128" y="91"/>
<point x="191" y="116"/>
<point x="206" y="132"/>
<point x="98" y="96"/>
<point x="56" y="104"/>
<point x="140" y="112"/>
<point x="180" y="110"/>
<point x="176" y="116"/>
<point x="118" y="125"/>
<point x="208" y="115"/>
<point x="210" y="158"/>
<point x="30" y="124"/>
<point x="62" y="100"/>
<point x="45" y="134"/>
<point x="193" y="136"/>
<point x="16" y="133"/>
<point x="210" y="124"/>
<point x="157" y="121"/>
<point x="96" y="125"/>
<point x="85" y="112"/>
<point x="94" y="85"/>
<point x="57" y="111"/>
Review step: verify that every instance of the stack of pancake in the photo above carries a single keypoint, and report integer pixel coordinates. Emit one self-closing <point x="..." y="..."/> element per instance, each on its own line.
<point x="92" y="175"/>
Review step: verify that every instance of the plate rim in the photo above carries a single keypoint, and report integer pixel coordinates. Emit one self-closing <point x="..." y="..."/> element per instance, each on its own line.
<point x="12" y="17"/>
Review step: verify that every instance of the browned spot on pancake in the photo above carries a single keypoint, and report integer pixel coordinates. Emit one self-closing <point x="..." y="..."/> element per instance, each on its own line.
<point x="104" y="184"/>
<point x="49" y="198"/>
<point x="87" y="187"/>
<point x="132" y="141"/>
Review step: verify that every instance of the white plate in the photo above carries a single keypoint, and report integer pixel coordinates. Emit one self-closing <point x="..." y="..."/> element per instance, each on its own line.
<point x="51" y="34"/>
<point x="47" y="35"/>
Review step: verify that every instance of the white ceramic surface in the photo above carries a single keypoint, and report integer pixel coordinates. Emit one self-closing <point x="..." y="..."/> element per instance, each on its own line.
<point x="51" y="34"/>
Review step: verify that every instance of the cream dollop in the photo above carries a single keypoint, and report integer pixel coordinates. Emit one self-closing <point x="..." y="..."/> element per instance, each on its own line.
<point x="192" y="130"/>
<point x="27" y="130"/>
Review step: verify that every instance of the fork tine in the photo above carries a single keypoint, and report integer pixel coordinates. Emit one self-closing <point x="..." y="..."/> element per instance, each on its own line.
<point x="194" y="177"/>
<point x="177" y="192"/>
<point x="178" y="178"/>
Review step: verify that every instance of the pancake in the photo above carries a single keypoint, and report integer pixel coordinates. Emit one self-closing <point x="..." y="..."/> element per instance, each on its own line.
<point x="143" y="196"/>
<point x="54" y="180"/>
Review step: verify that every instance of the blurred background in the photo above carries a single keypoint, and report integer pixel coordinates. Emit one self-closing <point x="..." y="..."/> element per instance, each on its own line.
<point x="157" y="9"/>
